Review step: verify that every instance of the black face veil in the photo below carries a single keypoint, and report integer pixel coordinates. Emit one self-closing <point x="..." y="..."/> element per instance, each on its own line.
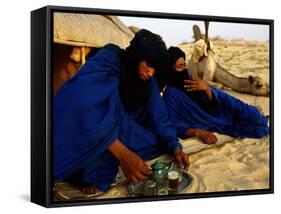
<point x="176" y="78"/>
<point x="135" y="92"/>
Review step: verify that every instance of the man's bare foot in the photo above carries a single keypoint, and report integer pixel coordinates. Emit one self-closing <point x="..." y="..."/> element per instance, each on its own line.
<point x="90" y="190"/>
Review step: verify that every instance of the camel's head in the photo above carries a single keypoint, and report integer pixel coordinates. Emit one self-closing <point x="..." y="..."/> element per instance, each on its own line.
<point x="200" y="49"/>
<point x="258" y="86"/>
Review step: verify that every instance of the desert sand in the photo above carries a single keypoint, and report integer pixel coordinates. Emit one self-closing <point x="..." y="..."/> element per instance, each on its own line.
<point x="242" y="163"/>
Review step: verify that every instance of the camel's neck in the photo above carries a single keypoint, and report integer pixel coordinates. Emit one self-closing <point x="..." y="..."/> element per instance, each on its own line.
<point x="239" y="84"/>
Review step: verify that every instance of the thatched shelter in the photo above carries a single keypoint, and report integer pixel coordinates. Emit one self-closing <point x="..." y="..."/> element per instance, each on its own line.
<point x="90" y="30"/>
<point x="133" y="28"/>
<point x="81" y="34"/>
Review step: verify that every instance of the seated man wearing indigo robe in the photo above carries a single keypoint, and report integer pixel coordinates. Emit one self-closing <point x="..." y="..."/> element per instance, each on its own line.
<point x="111" y="114"/>
<point x="196" y="109"/>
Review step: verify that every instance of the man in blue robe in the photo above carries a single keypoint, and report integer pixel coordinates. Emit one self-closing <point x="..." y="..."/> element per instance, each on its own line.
<point x="111" y="114"/>
<point x="196" y="109"/>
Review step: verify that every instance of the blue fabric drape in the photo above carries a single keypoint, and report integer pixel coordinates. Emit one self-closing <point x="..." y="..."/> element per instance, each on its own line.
<point x="88" y="116"/>
<point x="232" y="116"/>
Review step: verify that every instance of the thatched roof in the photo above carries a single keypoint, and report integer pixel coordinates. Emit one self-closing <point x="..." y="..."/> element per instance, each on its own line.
<point x="133" y="28"/>
<point x="90" y="30"/>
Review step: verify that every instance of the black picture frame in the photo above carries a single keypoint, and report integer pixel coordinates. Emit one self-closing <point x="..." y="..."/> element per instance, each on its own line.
<point x="41" y="103"/>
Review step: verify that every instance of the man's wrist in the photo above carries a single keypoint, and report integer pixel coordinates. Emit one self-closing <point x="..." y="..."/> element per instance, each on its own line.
<point x="177" y="150"/>
<point x="209" y="93"/>
<point x="208" y="90"/>
<point x="191" y="132"/>
<point x="117" y="149"/>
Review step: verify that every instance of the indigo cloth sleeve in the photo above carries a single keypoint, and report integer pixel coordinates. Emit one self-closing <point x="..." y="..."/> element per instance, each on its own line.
<point x="160" y="121"/>
<point x="87" y="113"/>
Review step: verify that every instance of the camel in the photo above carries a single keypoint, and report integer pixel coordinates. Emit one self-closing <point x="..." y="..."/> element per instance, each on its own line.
<point x="67" y="61"/>
<point x="203" y="63"/>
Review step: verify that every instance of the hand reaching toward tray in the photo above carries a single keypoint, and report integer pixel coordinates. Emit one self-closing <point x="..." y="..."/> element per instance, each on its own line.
<point x="182" y="158"/>
<point x="132" y="165"/>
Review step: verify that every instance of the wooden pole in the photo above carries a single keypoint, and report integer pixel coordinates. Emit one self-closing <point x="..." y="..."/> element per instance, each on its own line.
<point x="83" y="56"/>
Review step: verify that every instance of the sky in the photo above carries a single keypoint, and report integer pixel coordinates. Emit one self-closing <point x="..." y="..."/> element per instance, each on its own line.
<point x="176" y="31"/>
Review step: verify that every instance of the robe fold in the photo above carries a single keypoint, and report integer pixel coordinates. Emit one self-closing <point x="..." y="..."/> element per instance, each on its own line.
<point x="88" y="116"/>
<point x="228" y="114"/>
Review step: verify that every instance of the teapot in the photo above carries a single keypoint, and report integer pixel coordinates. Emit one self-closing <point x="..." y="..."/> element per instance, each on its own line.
<point x="159" y="171"/>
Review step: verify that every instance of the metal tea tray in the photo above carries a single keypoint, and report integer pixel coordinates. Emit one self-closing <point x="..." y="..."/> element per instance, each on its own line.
<point x="137" y="190"/>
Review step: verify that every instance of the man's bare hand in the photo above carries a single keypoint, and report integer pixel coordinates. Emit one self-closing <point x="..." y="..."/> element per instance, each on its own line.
<point x="181" y="158"/>
<point x="132" y="165"/>
<point x="206" y="136"/>
<point x="196" y="85"/>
